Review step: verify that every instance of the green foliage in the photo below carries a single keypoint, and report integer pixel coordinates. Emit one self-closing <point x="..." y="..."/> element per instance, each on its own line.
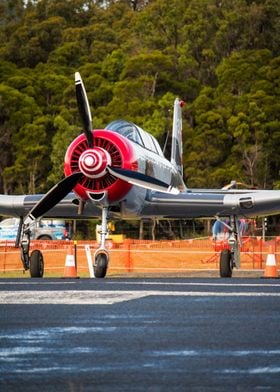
<point x="221" y="57"/>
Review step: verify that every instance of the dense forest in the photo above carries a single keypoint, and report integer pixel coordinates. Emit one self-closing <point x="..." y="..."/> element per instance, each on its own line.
<point x="222" y="57"/>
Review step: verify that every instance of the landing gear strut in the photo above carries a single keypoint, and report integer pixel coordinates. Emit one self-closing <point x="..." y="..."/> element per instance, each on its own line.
<point x="33" y="262"/>
<point x="101" y="256"/>
<point x="230" y="258"/>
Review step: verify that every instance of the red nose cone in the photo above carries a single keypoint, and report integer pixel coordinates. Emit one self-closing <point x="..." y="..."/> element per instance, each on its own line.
<point x="110" y="149"/>
<point x="93" y="162"/>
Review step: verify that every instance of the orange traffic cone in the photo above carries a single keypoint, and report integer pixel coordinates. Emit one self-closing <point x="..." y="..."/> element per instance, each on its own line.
<point x="70" y="270"/>
<point x="271" y="270"/>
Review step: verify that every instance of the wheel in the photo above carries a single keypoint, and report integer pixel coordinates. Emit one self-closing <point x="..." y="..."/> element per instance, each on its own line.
<point x="36" y="264"/>
<point x="101" y="265"/>
<point x="225" y="264"/>
<point x="45" y="237"/>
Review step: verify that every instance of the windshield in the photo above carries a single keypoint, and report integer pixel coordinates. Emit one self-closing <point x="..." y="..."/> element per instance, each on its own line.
<point x="136" y="134"/>
<point x="126" y="129"/>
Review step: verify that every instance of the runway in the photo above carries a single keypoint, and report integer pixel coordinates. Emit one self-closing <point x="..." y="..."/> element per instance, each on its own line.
<point x="149" y="334"/>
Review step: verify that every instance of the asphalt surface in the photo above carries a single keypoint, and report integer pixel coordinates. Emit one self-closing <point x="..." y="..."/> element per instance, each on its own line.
<point x="140" y="335"/>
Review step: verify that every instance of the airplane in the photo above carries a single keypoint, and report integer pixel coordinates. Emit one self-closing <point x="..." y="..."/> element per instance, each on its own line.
<point x="121" y="172"/>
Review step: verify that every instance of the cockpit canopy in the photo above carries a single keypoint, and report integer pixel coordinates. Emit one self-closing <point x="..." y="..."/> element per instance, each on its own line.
<point x="136" y="134"/>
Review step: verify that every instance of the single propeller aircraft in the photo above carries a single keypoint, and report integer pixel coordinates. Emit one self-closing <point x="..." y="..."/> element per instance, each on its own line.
<point x="121" y="172"/>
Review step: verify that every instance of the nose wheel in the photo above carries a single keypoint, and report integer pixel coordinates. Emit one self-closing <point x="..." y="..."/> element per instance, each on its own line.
<point x="101" y="263"/>
<point x="101" y="256"/>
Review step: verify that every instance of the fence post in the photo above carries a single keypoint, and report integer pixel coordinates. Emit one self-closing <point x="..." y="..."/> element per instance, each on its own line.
<point x="261" y="252"/>
<point x="128" y="261"/>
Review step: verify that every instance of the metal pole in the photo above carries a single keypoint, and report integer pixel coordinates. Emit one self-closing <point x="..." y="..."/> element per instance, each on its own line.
<point x="75" y="254"/>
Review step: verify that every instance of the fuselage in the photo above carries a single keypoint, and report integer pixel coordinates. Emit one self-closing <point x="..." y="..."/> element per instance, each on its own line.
<point x="122" y="145"/>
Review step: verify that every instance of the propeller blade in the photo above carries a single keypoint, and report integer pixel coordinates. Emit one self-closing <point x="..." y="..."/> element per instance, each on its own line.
<point x="84" y="108"/>
<point x="142" y="180"/>
<point x="52" y="197"/>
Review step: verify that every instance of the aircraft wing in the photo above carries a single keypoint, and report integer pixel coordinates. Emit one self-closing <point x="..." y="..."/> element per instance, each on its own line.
<point x="194" y="203"/>
<point x="207" y="204"/>
<point x="20" y="205"/>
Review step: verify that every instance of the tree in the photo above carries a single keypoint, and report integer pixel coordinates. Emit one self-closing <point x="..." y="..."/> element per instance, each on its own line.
<point x="221" y="57"/>
<point x="64" y="135"/>
<point x="17" y="110"/>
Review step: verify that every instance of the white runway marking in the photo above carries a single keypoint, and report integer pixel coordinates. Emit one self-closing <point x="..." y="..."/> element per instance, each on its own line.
<point x="39" y="282"/>
<point x="69" y="297"/>
<point x="90" y="297"/>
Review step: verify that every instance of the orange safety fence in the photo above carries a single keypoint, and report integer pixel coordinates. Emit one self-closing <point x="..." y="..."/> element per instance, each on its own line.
<point x="144" y="256"/>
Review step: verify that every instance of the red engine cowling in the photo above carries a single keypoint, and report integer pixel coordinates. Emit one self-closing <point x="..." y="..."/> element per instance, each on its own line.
<point x="110" y="149"/>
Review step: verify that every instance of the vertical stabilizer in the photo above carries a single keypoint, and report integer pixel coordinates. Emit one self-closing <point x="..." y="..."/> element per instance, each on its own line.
<point x="177" y="145"/>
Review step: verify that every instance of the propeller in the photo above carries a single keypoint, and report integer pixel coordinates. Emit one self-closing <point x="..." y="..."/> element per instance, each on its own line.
<point x="52" y="197"/>
<point x="84" y="108"/>
<point x="142" y="180"/>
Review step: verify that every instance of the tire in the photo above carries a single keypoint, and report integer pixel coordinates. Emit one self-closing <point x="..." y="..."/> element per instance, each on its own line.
<point x="101" y="265"/>
<point x="44" y="237"/>
<point x="36" y="264"/>
<point x="225" y="264"/>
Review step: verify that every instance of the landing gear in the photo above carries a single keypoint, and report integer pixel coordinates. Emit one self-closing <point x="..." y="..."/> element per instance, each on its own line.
<point x="230" y="258"/>
<point x="33" y="262"/>
<point x="101" y="256"/>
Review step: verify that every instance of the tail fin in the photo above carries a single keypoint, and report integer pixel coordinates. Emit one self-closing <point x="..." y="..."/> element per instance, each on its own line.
<point x="177" y="145"/>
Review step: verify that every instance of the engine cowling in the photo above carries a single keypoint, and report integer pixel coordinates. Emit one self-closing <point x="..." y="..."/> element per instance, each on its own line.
<point x="110" y="149"/>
